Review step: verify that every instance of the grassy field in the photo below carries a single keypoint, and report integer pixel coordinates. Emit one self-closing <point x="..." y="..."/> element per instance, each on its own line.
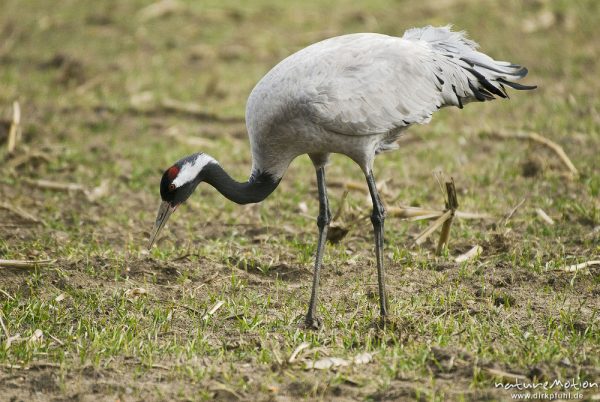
<point x="112" y="93"/>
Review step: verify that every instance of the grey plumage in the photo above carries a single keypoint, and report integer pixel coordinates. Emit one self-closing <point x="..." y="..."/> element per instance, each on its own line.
<point x="355" y="94"/>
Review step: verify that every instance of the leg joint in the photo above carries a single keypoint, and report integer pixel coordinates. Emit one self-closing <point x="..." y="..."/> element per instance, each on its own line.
<point x="323" y="219"/>
<point x="378" y="215"/>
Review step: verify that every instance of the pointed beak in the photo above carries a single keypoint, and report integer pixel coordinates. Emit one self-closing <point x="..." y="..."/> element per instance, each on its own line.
<point x="164" y="211"/>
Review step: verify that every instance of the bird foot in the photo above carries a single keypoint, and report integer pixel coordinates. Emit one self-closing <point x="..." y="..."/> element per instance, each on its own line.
<point x="386" y="322"/>
<point x="312" y="322"/>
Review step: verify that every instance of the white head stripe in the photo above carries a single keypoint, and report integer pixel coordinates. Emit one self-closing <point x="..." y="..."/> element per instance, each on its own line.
<point x="189" y="171"/>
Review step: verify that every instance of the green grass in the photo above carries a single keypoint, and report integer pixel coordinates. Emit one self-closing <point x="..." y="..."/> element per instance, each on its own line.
<point x="89" y="77"/>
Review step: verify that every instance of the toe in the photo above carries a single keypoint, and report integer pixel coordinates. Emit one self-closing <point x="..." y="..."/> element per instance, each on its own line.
<point x="312" y="322"/>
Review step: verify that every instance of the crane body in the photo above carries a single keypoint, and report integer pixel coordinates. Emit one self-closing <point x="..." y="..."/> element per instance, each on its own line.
<point x="353" y="95"/>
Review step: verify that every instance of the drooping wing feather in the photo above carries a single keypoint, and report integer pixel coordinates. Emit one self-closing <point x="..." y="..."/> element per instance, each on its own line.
<point x="377" y="84"/>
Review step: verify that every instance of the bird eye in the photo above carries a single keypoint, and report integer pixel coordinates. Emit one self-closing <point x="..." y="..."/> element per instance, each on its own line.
<point x="171" y="187"/>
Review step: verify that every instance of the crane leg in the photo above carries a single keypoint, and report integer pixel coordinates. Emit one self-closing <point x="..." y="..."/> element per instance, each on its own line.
<point x="323" y="220"/>
<point x="377" y="218"/>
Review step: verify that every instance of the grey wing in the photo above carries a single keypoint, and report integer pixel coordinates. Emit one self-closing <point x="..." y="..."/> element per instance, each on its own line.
<point x="384" y="83"/>
<point x="377" y="94"/>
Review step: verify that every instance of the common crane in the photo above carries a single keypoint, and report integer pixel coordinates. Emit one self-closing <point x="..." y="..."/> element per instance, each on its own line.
<point x="353" y="95"/>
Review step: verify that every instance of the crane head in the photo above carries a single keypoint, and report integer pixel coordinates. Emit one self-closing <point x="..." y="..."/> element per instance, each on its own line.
<point x="177" y="184"/>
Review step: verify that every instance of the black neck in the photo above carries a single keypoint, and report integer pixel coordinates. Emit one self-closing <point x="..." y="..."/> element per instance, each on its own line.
<point x="259" y="187"/>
